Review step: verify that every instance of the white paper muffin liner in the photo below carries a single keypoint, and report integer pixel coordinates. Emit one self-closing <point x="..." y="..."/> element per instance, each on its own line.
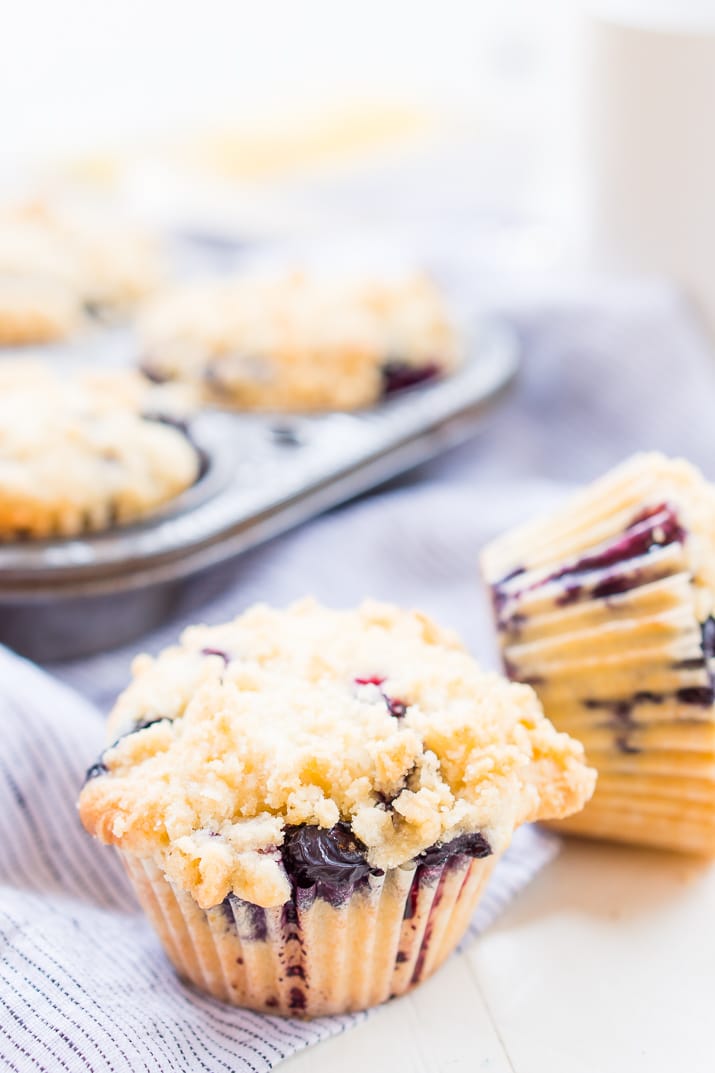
<point x="309" y="957"/>
<point x="605" y="610"/>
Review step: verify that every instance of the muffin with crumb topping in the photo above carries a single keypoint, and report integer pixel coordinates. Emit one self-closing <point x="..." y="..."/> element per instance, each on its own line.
<point x="60" y="264"/>
<point x="85" y="450"/>
<point x="607" y="608"/>
<point x="309" y="802"/>
<point x="300" y="341"/>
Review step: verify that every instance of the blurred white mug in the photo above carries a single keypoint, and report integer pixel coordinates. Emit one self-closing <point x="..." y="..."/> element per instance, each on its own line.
<point x="651" y="144"/>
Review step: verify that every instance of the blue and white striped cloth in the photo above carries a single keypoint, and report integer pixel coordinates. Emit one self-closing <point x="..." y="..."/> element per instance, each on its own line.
<point x="84" y="985"/>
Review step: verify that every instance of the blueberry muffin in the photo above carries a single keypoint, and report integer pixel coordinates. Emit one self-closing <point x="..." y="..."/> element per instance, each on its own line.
<point x="59" y="265"/>
<point x="40" y="292"/>
<point x="309" y="802"/>
<point x="82" y="451"/>
<point x="606" y="609"/>
<point x="299" y="342"/>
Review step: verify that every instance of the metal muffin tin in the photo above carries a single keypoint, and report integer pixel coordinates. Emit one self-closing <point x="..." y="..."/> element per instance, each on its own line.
<point x="265" y="474"/>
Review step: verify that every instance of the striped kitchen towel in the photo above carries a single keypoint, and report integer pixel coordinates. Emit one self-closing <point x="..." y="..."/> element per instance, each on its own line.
<point x="84" y="984"/>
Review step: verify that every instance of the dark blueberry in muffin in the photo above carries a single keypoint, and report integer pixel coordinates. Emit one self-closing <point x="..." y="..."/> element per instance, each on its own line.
<point x="396" y="708"/>
<point x="469" y="845"/>
<point x="96" y="770"/>
<point x="144" y="723"/>
<point x="398" y="375"/>
<point x="217" y="652"/>
<point x="332" y="856"/>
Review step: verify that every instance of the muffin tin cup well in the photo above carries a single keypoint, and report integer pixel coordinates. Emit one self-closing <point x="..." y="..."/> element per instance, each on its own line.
<point x="310" y="958"/>
<point x="265" y="474"/>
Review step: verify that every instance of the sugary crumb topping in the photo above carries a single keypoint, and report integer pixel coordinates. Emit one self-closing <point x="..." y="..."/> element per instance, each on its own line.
<point x="83" y="450"/>
<point x="300" y="341"/>
<point x="374" y="717"/>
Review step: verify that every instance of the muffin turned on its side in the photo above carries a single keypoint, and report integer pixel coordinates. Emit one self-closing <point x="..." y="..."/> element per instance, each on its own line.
<point x="309" y="802"/>
<point x="606" y="609"/>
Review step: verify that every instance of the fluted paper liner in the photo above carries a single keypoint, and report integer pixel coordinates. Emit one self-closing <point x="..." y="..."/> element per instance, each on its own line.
<point x="309" y="957"/>
<point x="614" y="649"/>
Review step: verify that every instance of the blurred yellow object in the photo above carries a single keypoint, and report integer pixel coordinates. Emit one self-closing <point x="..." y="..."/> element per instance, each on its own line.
<point x="270" y="150"/>
<point x="306" y="142"/>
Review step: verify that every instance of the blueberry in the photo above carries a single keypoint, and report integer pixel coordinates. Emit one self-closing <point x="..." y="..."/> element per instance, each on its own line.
<point x="334" y="856"/>
<point x="217" y="652"/>
<point x="398" y="375"/>
<point x="96" y="770"/>
<point x="701" y="695"/>
<point x="468" y="845"/>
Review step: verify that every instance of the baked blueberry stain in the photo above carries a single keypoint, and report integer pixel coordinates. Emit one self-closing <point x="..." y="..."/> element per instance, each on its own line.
<point x="625" y="746"/>
<point x="296" y="999"/>
<point x="622" y="710"/>
<point x="249" y="920"/>
<point x="396" y="707"/>
<point x="499" y="596"/>
<point x="398" y="375"/>
<point x="144" y="723"/>
<point x="472" y="844"/>
<point x="694" y="663"/>
<point x="619" y="709"/>
<point x="400" y="957"/>
<point x="254" y="924"/>
<point x="427" y="937"/>
<point x="96" y="770"/>
<point x="289" y="914"/>
<point x="217" y="652"/>
<point x="655" y="527"/>
<point x="570" y="595"/>
<point x="703" y="696"/>
<point x="645" y="696"/>
<point x="707" y="631"/>
<point x="707" y="649"/>
<point x="100" y="768"/>
<point x="513" y="624"/>
<point x="413" y="896"/>
<point x="388" y="799"/>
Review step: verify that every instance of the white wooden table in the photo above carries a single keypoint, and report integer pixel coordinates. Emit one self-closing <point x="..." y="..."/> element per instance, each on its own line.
<point x="605" y="964"/>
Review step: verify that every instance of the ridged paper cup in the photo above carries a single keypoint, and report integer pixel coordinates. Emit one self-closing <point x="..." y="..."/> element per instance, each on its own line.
<point x="316" y="955"/>
<point x="607" y="609"/>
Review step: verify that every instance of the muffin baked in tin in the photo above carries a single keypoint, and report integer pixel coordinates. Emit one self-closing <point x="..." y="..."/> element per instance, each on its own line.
<point x="59" y="265"/>
<point x="607" y="608"/>
<point x="300" y="342"/>
<point x="309" y="802"/>
<point x="81" y="451"/>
